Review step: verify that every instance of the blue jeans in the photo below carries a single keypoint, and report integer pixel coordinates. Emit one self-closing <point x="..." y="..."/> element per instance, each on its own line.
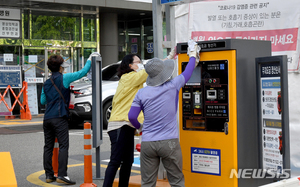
<point x="122" y="147"/>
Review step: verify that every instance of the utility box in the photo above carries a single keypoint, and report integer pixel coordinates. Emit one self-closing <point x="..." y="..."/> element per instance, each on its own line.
<point x="218" y="114"/>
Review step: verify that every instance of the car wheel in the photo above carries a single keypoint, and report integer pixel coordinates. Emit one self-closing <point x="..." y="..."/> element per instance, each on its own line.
<point x="107" y="107"/>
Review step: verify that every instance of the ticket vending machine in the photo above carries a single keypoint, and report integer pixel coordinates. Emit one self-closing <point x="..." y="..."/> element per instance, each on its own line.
<point x="218" y="113"/>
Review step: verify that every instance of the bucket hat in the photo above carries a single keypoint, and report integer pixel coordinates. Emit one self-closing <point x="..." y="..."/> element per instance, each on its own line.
<point x="159" y="71"/>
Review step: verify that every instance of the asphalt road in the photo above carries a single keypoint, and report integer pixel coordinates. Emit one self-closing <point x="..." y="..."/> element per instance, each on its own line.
<point x="25" y="140"/>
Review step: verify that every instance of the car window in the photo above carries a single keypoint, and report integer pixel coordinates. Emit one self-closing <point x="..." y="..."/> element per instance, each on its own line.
<point x="110" y="73"/>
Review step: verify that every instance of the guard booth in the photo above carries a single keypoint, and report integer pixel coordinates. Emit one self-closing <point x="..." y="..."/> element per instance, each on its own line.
<point x="218" y="116"/>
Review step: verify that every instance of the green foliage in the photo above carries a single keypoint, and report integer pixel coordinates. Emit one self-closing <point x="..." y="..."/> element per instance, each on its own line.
<point x="89" y="30"/>
<point x="55" y="27"/>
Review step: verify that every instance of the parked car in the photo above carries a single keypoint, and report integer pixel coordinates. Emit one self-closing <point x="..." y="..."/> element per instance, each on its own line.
<point x="82" y="107"/>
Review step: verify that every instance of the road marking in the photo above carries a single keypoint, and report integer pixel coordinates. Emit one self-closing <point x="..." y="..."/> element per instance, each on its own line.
<point x="136" y="161"/>
<point x="81" y="133"/>
<point x="16" y="120"/>
<point x="18" y="123"/>
<point x="34" y="177"/>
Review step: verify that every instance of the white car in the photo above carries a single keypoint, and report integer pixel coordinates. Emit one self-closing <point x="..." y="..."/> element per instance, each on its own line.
<point x="82" y="108"/>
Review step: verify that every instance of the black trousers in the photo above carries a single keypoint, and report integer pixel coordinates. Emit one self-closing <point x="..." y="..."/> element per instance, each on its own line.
<point x="122" y="147"/>
<point x="56" y="127"/>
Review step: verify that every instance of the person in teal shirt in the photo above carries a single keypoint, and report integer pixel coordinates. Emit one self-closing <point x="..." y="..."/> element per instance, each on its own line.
<point x="55" y="122"/>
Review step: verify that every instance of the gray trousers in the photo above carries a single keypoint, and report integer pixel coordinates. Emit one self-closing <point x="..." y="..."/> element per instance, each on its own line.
<point x="170" y="153"/>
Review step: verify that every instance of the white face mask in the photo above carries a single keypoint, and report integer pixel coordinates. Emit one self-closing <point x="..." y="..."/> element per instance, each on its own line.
<point x="141" y="66"/>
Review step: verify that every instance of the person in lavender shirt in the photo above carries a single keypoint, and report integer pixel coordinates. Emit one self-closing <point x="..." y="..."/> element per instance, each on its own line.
<point x="159" y="101"/>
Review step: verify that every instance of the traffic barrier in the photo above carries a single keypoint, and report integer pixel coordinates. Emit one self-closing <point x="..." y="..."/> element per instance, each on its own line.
<point x="88" y="172"/>
<point x="7" y="173"/>
<point x="25" y="112"/>
<point x="55" y="158"/>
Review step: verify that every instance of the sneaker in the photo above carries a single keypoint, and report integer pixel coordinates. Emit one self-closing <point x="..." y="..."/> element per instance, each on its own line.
<point x="50" y="179"/>
<point x="65" y="180"/>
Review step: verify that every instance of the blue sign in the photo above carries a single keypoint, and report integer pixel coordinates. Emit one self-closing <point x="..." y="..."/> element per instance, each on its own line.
<point x="269" y="84"/>
<point x="168" y="1"/>
<point x="150" y="48"/>
<point x="134" y="48"/>
<point x="10" y="75"/>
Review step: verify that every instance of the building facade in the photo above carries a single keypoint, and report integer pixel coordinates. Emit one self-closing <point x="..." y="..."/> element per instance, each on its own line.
<point x="32" y="30"/>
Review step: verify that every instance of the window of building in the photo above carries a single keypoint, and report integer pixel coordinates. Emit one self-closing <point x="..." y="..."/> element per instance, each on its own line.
<point x="136" y="37"/>
<point x="12" y="55"/>
<point x="86" y="54"/>
<point x="55" y="27"/>
<point x="26" y="23"/>
<point x="89" y="27"/>
<point x="121" y="40"/>
<point x="148" y="39"/>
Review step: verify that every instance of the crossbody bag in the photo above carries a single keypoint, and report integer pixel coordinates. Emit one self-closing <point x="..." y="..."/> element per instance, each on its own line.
<point x="59" y="93"/>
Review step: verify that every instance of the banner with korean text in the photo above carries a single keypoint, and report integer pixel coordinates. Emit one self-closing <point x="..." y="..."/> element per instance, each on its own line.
<point x="277" y="21"/>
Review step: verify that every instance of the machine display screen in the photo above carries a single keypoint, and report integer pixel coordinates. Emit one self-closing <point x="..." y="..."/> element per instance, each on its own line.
<point x="196" y="75"/>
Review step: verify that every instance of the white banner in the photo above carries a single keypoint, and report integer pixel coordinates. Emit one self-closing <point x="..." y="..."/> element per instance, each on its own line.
<point x="30" y="73"/>
<point x="34" y="80"/>
<point x="9" y="29"/>
<point x="8" y="13"/>
<point x="276" y="21"/>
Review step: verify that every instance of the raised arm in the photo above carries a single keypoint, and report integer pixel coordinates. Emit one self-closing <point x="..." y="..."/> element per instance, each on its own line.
<point x="187" y="73"/>
<point x="193" y="52"/>
<point x="70" y="77"/>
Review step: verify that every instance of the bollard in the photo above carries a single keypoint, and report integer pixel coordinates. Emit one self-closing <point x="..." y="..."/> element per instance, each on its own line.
<point x="88" y="172"/>
<point x="55" y="158"/>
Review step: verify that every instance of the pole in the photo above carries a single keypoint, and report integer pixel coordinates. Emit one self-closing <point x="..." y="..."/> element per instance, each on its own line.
<point x="97" y="112"/>
<point x="157" y="29"/>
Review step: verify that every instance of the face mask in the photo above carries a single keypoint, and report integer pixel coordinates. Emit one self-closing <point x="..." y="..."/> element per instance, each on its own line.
<point x="140" y="67"/>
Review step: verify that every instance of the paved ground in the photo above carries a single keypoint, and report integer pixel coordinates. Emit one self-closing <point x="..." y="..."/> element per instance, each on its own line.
<point x="24" y="140"/>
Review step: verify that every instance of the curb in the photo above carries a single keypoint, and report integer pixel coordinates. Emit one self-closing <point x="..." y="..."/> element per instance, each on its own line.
<point x="18" y="116"/>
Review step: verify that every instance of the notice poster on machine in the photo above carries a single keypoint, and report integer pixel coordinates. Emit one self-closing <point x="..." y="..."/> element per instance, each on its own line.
<point x="270" y="111"/>
<point x="206" y="161"/>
